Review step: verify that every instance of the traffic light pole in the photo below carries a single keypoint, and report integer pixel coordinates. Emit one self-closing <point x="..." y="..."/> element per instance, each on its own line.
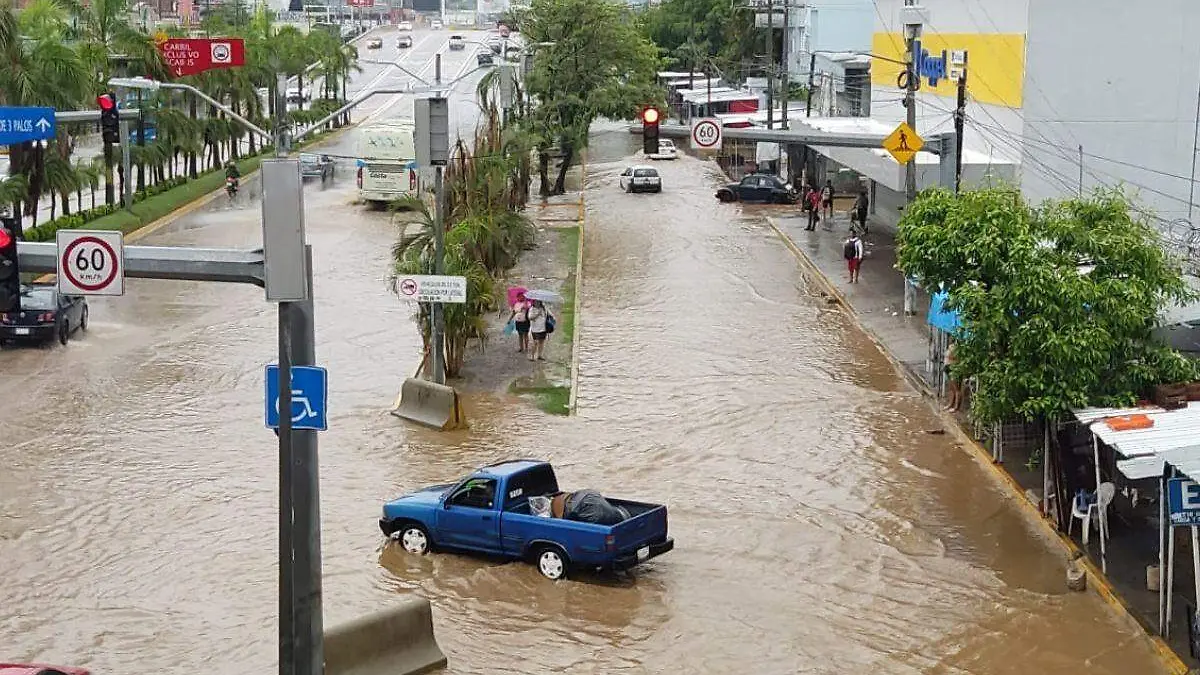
<point x="126" y="169"/>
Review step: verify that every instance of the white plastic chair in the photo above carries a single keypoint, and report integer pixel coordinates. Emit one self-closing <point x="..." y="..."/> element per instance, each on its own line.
<point x="1104" y="497"/>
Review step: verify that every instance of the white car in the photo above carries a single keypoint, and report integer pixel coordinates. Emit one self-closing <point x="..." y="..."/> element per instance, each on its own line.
<point x="435" y="24"/>
<point x="375" y="43"/>
<point x="457" y="43"/>
<point x="404" y="41"/>
<point x="666" y="150"/>
<point x="404" y="25"/>
<point x="641" y="179"/>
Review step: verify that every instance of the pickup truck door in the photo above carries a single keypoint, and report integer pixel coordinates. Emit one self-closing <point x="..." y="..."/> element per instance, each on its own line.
<point x="469" y="517"/>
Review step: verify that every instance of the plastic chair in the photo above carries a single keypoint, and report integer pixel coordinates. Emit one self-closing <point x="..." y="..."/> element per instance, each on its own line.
<point x="1104" y="497"/>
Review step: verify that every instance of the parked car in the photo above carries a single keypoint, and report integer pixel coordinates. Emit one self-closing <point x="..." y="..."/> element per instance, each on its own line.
<point x="485" y="59"/>
<point x="641" y="179"/>
<point x="40" y="669"/>
<point x="404" y="25"/>
<point x="666" y="150"/>
<point x="436" y="24"/>
<point x="489" y="511"/>
<point x="316" y="166"/>
<point x="375" y="43"/>
<point x="45" y="314"/>
<point x="404" y="41"/>
<point x="457" y="42"/>
<point x="759" y="187"/>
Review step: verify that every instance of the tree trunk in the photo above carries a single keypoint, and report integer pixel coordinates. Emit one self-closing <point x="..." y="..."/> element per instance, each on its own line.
<point x="345" y="76"/>
<point x="192" y="159"/>
<point x="543" y="173"/>
<point x="560" y="185"/>
<point x="66" y="202"/>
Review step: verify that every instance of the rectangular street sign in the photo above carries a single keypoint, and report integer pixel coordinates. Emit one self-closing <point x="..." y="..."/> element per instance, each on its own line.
<point x="310" y="397"/>
<point x="432" y="288"/>
<point x="18" y="125"/>
<point x="192" y="56"/>
<point x="1183" y="501"/>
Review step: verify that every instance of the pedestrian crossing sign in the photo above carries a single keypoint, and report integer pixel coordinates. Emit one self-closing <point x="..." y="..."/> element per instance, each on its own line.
<point x="903" y="143"/>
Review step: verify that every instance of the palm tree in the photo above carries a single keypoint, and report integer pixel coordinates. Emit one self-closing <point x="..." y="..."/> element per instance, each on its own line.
<point x="13" y="190"/>
<point x="61" y="178"/>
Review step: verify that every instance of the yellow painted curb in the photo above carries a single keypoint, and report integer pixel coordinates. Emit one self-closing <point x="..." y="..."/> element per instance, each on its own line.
<point x="572" y="398"/>
<point x="1097" y="580"/>
<point x="194" y="205"/>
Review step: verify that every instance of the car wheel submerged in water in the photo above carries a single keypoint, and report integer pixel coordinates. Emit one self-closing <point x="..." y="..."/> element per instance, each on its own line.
<point x="552" y="563"/>
<point x="414" y="539"/>
<point x="726" y="195"/>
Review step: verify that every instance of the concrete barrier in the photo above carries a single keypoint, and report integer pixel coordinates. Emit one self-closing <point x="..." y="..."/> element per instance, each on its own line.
<point x="396" y="641"/>
<point x="434" y="405"/>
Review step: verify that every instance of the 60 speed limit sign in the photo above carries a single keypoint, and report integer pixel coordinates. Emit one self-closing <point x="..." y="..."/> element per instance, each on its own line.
<point x="91" y="262"/>
<point x="706" y="134"/>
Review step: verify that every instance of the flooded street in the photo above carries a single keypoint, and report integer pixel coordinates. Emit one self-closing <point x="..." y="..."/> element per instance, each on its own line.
<point x="818" y="528"/>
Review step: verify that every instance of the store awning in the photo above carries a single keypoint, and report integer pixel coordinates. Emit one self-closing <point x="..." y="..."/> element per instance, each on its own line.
<point x="1173" y="438"/>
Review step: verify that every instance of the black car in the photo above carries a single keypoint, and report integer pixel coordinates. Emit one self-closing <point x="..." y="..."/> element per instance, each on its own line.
<point x="45" y="315"/>
<point x="485" y="59"/>
<point x="759" y="187"/>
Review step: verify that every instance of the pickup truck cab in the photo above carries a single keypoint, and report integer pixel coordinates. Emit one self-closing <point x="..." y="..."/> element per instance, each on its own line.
<point x="489" y="512"/>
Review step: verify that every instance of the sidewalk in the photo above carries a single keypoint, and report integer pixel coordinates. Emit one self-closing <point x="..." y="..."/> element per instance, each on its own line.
<point x="876" y="302"/>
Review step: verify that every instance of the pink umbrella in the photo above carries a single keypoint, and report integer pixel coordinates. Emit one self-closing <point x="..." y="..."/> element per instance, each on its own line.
<point x="516" y="293"/>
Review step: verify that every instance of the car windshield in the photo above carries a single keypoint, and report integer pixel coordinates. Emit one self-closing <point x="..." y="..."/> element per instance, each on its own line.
<point x="38" y="299"/>
<point x="645" y="173"/>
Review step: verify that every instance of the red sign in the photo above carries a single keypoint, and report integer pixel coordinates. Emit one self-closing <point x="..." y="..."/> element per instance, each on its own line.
<point x="361" y="3"/>
<point x="191" y="56"/>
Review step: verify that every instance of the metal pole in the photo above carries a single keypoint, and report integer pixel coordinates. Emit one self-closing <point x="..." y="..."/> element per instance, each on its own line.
<point x="109" y="192"/>
<point x="812" y="69"/>
<point x="438" y="332"/>
<point x="437" y="69"/>
<point x="960" y="118"/>
<point x="1195" y="149"/>
<point x="912" y="32"/>
<point x="1162" y="549"/>
<point x="280" y="130"/>
<point x="1081" y="171"/>
<point x="770" y="64"/>
<point x="287" y="588"/>
<point x="126" y="169"/>
<point x="307" y="600"/>
<point x="141" y="138"/>
<point x="783" y="86"/>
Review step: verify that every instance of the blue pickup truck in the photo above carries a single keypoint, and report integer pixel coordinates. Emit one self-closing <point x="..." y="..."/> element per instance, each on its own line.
<point x="489" y="512"/>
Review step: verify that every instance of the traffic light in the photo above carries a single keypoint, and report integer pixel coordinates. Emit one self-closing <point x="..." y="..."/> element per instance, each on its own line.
<point x="650" y="130"/>
<point x="10" y="277"/>
<point x="110" y="119"/>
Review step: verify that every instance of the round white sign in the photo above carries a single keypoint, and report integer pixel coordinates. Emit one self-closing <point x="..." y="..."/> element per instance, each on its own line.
<point x="90" y="264"/>
<point x="706" y="134"/>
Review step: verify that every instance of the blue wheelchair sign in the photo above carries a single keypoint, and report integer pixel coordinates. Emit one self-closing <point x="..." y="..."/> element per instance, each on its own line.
<point x="310" y="394"/>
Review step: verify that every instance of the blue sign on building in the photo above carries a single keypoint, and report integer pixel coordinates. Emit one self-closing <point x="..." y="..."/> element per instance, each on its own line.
<point x="310" y="394"/>
<point x="932" y="68"/>
<point x="1183" y="501"/>
<point x="18" y="125"/>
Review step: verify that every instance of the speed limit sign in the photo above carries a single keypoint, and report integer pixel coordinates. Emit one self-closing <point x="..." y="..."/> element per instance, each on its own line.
<point x="91" y="262"/>
<point x="706" y="134"/>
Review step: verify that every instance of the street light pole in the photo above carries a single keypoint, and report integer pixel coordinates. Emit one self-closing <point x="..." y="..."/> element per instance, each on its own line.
<point x="770" y="64"/>
<point x="437" y="336"/>
<point x="912" y="32"/>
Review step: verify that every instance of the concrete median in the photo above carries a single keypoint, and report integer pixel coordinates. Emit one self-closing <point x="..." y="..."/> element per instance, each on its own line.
<point x="431" y="404"/>
<point x="396" y="641"/>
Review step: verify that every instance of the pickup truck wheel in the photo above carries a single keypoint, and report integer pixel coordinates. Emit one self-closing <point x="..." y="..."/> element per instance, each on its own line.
<point x="552" y="563"/>
<point x="414" y="539"/>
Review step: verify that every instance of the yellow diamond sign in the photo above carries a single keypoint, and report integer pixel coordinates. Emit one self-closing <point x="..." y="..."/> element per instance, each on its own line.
<point x="903" y="143"/>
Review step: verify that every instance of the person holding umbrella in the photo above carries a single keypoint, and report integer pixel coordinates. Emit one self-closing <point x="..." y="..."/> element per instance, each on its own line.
<point x="520" y="318"/>
<point x="541" y="321"/>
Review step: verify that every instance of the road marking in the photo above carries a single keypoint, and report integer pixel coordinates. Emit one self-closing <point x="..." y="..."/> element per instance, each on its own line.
<point x="467" y="64"/>
<point x="401" y="59"/>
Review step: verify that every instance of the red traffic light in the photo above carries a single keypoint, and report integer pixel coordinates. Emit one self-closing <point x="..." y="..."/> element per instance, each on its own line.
<point x="650" y="116"/>
<point x="106" y="101"/>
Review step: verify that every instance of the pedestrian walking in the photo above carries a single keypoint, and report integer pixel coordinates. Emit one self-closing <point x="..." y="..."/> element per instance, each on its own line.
<point x="520" y="319"/>
<point x="953" y="385"/>
<point x="853" y="252"/>
<point x="827" y="201"/>
<point x="541" y="324"/>
<point x="861" y="204"/>
<point x="812" y="205"/>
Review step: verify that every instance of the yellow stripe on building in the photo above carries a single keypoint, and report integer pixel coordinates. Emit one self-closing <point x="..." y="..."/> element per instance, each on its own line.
<point x="996" y="64"/>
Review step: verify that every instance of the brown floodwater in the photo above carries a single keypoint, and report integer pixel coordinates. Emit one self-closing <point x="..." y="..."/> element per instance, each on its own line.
<point x="818" y="528"/>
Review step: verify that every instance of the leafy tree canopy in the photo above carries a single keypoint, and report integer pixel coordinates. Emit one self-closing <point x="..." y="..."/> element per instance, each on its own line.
<point x="693" y="33"/>
<point x="1058" y="302"/>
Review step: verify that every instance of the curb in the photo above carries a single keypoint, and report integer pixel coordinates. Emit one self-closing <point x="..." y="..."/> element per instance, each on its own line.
<point x="192" y="206"/>
<point x="1097" y="581"/>
<point x="572" y="399"/>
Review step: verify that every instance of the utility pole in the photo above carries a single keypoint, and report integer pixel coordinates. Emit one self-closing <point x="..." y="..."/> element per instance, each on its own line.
<point x="110" y="194"/>
<point x="960" y="118"/>
<point x="812" y="69"/>
<point x="141" y="142"/>
<point x="770" y="64"/>
<point x="783" y="86"/>
<point x="912" y="32"/>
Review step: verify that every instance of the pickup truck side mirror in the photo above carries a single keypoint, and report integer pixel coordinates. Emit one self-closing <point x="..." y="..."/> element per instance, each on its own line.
<point x="445" y="503"/>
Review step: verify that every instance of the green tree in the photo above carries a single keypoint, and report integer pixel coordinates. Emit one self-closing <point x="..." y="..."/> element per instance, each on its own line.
<point x="591" y="61"/>
<point x="1058" y="303"/>
<point x="692" y="34"/>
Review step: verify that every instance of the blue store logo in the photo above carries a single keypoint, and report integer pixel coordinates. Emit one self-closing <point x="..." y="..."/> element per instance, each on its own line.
<point x="930" y="67"/>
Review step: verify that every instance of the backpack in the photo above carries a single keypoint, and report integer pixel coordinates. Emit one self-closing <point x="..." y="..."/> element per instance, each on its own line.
<point x="849" y="250"/>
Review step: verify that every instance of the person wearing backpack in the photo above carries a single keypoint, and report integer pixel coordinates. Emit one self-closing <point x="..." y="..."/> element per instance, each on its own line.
<point x="541" y="324"/>
<point x="853" y="252"/>
<point x="827" y="201"/>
